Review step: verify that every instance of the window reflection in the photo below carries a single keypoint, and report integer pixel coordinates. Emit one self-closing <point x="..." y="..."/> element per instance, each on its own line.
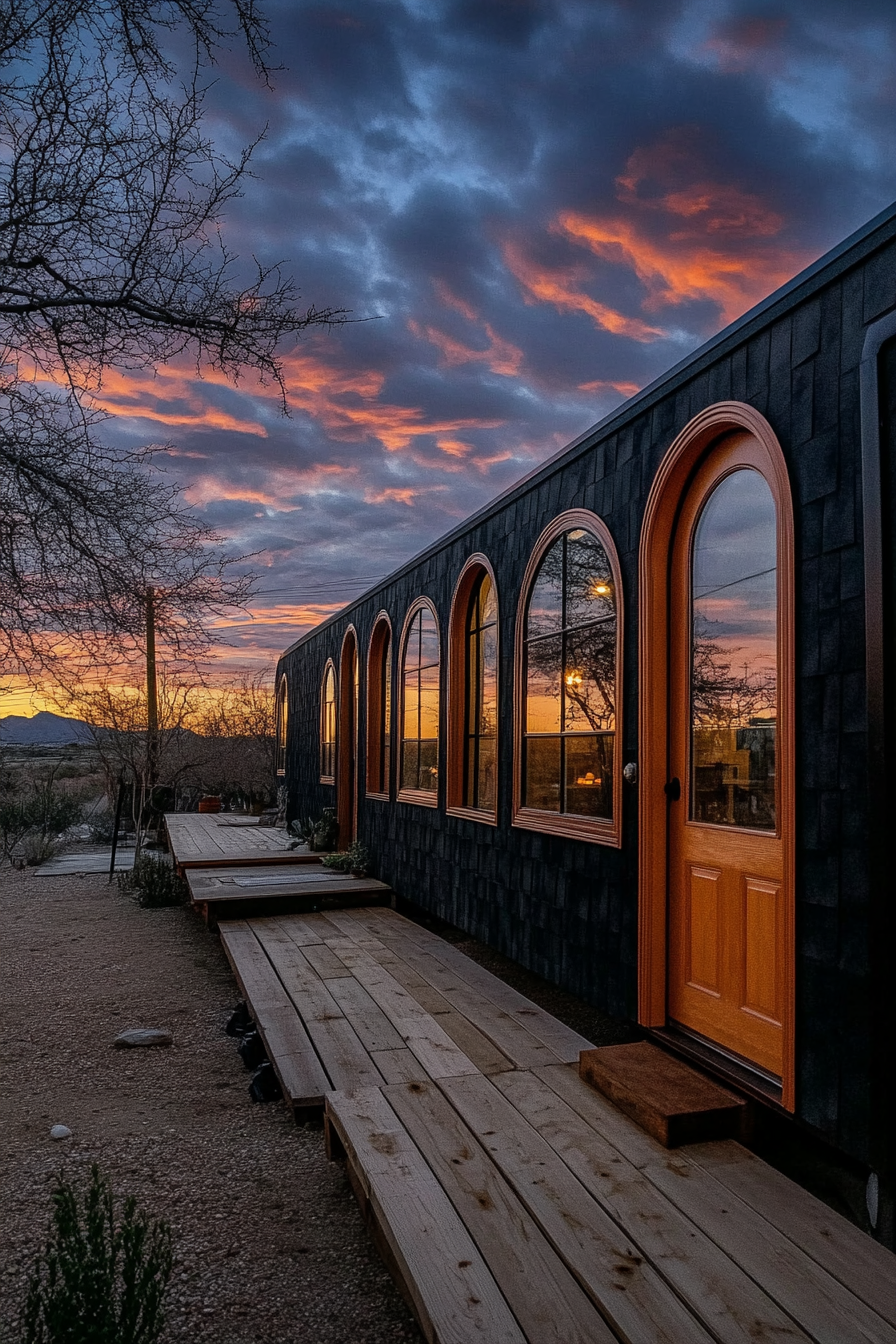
<point x="420" y="701"/>
<point x="328" y="725"/>
<point x="570" y="712"/>
<point x="481" y="697"/>
<point x="734" y="655"/>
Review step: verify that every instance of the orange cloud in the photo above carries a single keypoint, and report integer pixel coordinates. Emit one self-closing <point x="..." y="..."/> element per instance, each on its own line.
<point x="148" y="396"/>
<point x="608" y="385"/>
<point x="501" y="356"/>
<point x="345" y="404"/>
<point x="559" y="287"/>
<point x="451" y="300"/>
<point x="404" y="494"/>
<point x="673" y="274"/>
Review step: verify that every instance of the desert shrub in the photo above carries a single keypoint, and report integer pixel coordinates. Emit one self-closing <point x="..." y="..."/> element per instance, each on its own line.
<point x="355" y="859"/>
<point x="100" y="1279"/>
<point x="38" y="812"/>
<point x="153" y="883"/>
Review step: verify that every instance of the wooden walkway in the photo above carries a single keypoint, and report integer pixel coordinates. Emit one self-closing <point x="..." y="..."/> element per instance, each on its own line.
<point x="207" y="840"/>
<point x="512" y="1201"/>
<point x="273" y="888"/>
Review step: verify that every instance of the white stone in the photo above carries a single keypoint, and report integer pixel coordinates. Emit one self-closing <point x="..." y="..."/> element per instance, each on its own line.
<point x="142" y="1036"/>
<point x="60" y="1132"/>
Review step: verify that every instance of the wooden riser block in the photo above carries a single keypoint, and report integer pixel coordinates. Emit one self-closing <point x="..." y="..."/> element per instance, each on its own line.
<point x="667" y="1098"/>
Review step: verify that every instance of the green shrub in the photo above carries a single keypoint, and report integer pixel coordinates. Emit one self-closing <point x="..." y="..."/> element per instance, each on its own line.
<point x="153" y="883"/>
<point x="99" y="1280"/>
<point x="355" y="859"/>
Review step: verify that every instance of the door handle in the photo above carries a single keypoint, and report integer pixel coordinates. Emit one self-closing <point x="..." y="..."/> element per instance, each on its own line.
<point x="672" y="790"/>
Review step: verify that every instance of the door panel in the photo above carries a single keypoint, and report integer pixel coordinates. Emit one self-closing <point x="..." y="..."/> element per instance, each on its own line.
<point x="726" y="853"/>
<point x="703" y="930"/>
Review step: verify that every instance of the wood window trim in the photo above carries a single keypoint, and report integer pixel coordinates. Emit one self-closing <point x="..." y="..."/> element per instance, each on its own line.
<point x="690" y="448"/>
<point x="419" y="797"/>
<point x="594" y="830"/>
<point x="281" y="724"/>
<point x="329" y="667"/>
<point x="474" y="568"/>
<point x="382" y="629"/>
<point x="348" y="691"/>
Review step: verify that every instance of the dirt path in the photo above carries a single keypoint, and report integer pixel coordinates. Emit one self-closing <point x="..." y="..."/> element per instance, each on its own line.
<point x="269" y="1242"/>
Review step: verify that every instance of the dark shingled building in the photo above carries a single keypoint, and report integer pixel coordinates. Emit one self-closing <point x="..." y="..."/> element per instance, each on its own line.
<point x="631" y="723"/>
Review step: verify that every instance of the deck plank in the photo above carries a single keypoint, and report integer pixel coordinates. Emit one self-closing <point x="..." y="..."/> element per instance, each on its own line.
<point x="419" y="1031"/>
<point x="543" y="1295"/>
<point x="453" y="1292"/>
<point x="631" y="1296"/>
<point x="343" y="1055"/>
<point x="732" y="1307"/>
<point x="391" y="928"/>
<point x="483" y="1052"/>
<point x="862" y="1265"/>
<point x="288" y="1045"/>
<point x="827" y="1310"/>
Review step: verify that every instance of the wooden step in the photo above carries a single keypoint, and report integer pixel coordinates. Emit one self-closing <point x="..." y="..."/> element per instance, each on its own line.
<point x="665" y="1096"/>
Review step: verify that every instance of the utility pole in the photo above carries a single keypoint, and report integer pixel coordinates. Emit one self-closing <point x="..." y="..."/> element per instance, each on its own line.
<point x="152" y="695"/>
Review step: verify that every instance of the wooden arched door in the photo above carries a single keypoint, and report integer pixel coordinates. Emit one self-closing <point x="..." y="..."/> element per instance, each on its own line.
<point x="347" y="741"/>
<point x="717" y="745"/>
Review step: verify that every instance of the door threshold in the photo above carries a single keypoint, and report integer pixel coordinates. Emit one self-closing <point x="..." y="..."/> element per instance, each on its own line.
<point x="737" y="1072"/>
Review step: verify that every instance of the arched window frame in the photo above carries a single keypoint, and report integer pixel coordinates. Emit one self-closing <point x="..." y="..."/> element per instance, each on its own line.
<point x="348" y="696"/>
<point x="473" y="571"/>
<point x="281" y="724"/>
<point x="379" y="733"/>
<point x="423" y="797"/>
<point x="595" y="830"/>
<point x="327" y="724"/>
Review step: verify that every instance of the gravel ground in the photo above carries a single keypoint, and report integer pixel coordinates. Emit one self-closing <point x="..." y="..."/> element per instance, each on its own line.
<point x="269" y="1243"/>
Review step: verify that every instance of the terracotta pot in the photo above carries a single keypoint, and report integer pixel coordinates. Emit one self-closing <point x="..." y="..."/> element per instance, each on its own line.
<point x="210" y="804"/>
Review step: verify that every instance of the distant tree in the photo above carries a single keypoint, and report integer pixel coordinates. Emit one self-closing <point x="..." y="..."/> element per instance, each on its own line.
<point x="111" y="198"/>
<point x="238" y="743"/>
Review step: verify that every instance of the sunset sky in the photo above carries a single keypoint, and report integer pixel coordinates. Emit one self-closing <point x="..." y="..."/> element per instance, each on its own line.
<point x="533" y="209"/>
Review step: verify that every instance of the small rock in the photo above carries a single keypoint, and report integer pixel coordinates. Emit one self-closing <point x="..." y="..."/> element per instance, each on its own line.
<point x="60" y="1132"/>
<point x="142" y="1036"/>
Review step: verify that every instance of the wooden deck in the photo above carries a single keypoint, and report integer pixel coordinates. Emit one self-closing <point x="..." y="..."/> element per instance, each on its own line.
<point x="209" y="840"/>
<point x="513" y="1202"/>
<point x="277" y="888"/>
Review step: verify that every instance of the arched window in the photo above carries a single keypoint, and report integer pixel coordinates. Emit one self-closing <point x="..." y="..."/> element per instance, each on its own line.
<point x="328" y="726"/>
<point x="473" y="694"/>
<point x="419" y="763"/>
<point x="568" y="768"/>
<point x="379" y="709"/>
<point x="281" y="722"/>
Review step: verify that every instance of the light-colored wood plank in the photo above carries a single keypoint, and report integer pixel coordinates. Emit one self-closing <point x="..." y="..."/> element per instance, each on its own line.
<point x="731" y="1306"/>
<point x="325" y="962"/>
<point x="629" y="1293"/>
<point x="370" y="1022"/>
<point x="539" y="1289"/>
<point x="289" y="1047"/>
<point x="829" y="1312"/>
<point x="304" y="930"/>
<point x="399" y="1066"/>
<point x="862" y="1265"/>
<point x="419" y="1031"/>
<point x="343" y="1055"/>
<point x="503" y="1029"/>
<point x="391" y="928"/>
<point x="484" y="1054"/>
<point x="454" y="1294"/>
